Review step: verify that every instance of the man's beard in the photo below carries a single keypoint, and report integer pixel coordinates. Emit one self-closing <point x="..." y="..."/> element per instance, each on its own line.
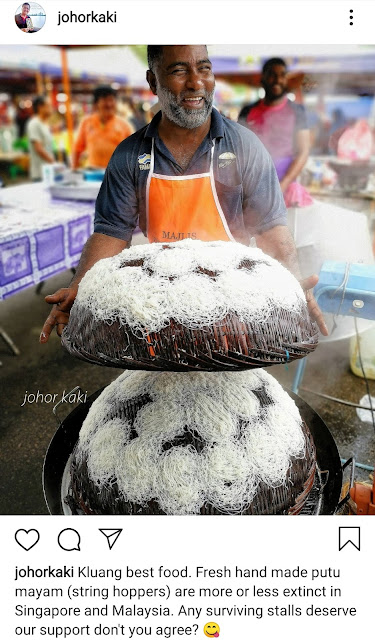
<point x="185" y="118"/>
<point x="271" y="96"/>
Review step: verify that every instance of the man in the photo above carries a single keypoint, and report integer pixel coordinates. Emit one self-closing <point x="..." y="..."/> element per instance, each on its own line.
<point x="189" y="173"/>
<point x="40" y="137"/>
<point x="23" y="22"/>
<point x="280" y="124"/>
<point x="100" y="133"/>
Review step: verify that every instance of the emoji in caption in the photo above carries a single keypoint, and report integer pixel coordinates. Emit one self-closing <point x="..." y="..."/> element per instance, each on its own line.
<point x="211" y="630"/>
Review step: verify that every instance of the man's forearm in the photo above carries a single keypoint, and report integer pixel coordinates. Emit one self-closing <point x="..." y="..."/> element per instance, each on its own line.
<point x="45" y="155"/>
<point x="42" y="152"/>
<point x="98" y="246"/>
<point x="75" y="160"/>
<point x="302" y="154"/>
<point x="287" y="255"/>
<point x="279" y="244"/>
<point x="294" y="170"/>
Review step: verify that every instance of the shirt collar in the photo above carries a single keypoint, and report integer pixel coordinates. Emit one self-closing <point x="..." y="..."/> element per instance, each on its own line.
<point x="274" y="107"/>
<point x="216" y="129"/>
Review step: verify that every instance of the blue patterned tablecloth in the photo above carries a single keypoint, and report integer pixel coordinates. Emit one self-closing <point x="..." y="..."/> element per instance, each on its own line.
<point x="39" y="236"/>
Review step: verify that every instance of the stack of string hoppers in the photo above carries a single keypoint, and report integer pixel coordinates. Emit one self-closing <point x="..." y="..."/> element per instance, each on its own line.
<point x="214" y="439"/>
<point x="189" y="305"/>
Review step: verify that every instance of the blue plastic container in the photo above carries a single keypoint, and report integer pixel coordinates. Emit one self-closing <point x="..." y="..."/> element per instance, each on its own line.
<point x="94" y="175"/>
<point x="347" y="289"/>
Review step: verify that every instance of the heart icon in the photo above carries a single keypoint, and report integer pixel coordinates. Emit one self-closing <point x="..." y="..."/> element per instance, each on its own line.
<point x="27" y="539"/>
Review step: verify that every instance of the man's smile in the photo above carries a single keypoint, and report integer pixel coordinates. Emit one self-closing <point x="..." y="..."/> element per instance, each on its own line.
<point x="192" y="103"/>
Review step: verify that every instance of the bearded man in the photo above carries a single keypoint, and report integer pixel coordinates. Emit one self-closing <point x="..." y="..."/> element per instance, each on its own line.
<point x="282" y="127"/>
<point x="191" y="173"/>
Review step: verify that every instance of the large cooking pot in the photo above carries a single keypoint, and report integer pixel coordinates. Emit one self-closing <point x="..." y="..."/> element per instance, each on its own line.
<point x="325" y="496"/>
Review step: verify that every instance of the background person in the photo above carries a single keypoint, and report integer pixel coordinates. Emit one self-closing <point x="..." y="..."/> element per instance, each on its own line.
<point x="195" y="173"/>
<point x="101" y="132"/>
<point x="40" y="137"/>
<point x="282" y="127"/>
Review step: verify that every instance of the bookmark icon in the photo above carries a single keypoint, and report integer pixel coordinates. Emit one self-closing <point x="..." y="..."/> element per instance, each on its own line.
<point x="350" y="536"/>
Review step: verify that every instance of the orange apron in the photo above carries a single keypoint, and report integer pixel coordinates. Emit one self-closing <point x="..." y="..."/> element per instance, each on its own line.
<point x="180" y="207"/>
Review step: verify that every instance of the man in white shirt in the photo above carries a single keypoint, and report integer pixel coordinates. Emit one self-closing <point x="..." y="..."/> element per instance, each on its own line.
<point x="40" y="138"/>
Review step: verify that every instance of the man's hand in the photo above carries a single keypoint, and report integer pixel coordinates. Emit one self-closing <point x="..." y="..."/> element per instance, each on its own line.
<point x="278" y="243"/>
<point x="98" y="246"/>
<point x="315" y="313"/>
<point x="62" y="302"/>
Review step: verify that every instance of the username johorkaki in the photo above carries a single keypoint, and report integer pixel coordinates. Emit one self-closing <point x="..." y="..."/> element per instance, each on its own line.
<point x="91" y="17"/>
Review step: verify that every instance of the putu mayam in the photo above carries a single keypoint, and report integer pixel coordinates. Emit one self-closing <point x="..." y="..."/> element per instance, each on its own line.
<point x="189" y="304"/>
<point x="192" y="443"/>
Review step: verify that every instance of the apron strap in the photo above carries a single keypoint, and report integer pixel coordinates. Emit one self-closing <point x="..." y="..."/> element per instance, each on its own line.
<point x="151" y="171"/>
<point x="216" y="197"/>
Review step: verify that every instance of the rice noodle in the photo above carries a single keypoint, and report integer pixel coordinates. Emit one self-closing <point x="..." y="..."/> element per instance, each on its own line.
<point x="172" y="282"/>
<point x="248" y="428"/>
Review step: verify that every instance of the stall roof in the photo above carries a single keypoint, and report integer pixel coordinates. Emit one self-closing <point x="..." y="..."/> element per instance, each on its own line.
<point x="265" y="51"/>
<point x="234" y="63"/>
<point x="30" y="58"/>
<point x="245" y="59"/>
<point x="119" y="64"/>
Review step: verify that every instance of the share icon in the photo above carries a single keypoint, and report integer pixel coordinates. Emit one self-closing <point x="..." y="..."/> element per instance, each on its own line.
<point x="112" y="535"/>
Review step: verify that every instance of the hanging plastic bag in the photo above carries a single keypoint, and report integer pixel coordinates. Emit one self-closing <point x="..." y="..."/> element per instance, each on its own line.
<point x="356" y="142"/>
<point x="295" y="195"/>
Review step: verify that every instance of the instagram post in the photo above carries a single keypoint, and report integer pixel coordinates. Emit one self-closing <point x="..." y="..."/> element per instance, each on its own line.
<point x="187" y="294"/>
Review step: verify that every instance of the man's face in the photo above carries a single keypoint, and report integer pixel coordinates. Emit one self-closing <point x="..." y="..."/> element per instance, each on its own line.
<point x="275" y="81"/>
<point x="184" y="83"/>
<point x="25" y="9"/>
<point x="45" y="109"/>
<point x="106" y="107"/>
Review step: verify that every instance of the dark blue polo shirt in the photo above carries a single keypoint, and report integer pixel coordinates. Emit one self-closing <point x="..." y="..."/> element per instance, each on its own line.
<point x="245" y="179"/>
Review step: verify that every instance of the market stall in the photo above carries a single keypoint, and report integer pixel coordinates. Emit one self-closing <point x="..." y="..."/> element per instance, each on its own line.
<point x="39" y="236"/>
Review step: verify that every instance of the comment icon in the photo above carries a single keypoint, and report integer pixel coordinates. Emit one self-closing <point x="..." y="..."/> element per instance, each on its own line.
<point x="69" y="540"/>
